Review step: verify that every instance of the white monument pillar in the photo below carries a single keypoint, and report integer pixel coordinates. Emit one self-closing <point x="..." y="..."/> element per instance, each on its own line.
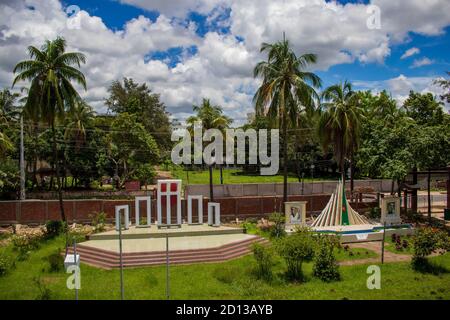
<point x="126" y="212"/>
<point x="170" y="189"/>
<point x="199" y="208"/>
<point x="137" y="210"/>
<point x="214" y="217"/>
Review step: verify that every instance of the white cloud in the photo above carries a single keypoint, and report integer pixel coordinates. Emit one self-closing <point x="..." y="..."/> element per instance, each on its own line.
<point x="221" y="69"/>
<point x="410" y="52"/>
<point x="425" y="61"/>
<point x="175" y="8"/>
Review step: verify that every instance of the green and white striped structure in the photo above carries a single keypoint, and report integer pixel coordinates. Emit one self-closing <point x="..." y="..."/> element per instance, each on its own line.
<point x="338" y="211"/>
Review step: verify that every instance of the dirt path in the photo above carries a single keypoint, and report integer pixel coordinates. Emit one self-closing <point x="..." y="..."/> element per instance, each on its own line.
<point x="376" y="247"/>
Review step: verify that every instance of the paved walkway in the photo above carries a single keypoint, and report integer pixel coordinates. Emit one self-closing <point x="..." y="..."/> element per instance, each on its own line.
<point x="376" y="247"/>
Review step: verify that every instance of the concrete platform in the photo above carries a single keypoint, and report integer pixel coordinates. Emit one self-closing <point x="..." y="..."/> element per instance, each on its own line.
<point x="155" y="232"/>
<point x="152" y="251"/>
<point x="364" y="233"/>
<point x="177" y="243"/>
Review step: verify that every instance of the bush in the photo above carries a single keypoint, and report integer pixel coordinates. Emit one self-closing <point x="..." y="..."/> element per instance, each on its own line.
<point x="264" y="260"/>
<point x="54" y="228"/>
<point x="44" y="291"/>
<point x="296" y="249"/>
<point x="5" y="264"/>
<point x="325" y="266"/>
<point x="24" y="244"/>
<point x="425" y="242"/>
<point x="279" y="222"/>
<point x="98" y="220"/>
<point x="55" y="262"/>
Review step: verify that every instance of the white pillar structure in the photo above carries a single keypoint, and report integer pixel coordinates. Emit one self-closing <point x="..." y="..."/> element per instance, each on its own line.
<point x="199" y="208"/>
<point x="214" y="214"/>
<point x="170" y="189"/>
<point x="137" y="210"/>
<point x="126" y="219"/>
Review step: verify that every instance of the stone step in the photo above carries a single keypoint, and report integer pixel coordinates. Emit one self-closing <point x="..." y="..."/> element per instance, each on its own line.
<point x="108" y="260"/>
<point x="113" y="255"/>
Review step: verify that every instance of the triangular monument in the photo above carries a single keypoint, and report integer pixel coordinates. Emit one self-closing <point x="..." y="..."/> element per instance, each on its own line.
<point x="338" y="211"/>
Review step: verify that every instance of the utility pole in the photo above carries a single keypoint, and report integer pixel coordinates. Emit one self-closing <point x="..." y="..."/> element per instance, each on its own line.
<point x="22" y="161"/>
<point x="122" y="295"/>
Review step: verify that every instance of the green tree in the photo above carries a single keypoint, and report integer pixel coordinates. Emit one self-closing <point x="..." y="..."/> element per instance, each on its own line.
<point x="211" y="117"/>
<point x="78" y="120"/>
<point x="7" y="108"/>
<point x="286" y="88"/>
<point x="424" y="109"/>
<point x="129" y="147"/>
<point x="51" y="72"/>
<point x="139" y="100"/>
<point x="340" y="123"/>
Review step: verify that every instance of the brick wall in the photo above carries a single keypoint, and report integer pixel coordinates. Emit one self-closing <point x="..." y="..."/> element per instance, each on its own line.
<point x="39" y="211"/>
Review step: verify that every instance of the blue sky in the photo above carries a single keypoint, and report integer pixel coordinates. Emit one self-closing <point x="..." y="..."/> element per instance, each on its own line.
<point x="207" y="48"/>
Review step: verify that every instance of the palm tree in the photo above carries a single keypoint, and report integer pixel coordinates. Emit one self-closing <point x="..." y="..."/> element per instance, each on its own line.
<point x="50" y="72"/>
<point x="340" y="123"/>
<point x="78" y="119"/>
<point x="211" y="117"/>
<point x="7" y="113"/>
<point x="286" y="89"/>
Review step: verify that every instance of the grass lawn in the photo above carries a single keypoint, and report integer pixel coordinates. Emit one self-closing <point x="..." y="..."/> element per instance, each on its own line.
<point x="230" y="176"/>
<point x="229" y="280"/>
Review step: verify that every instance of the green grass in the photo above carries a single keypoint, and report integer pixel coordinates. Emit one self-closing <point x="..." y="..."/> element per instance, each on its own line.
<point x="229" y="280"/>
<point x="230" y="176"/>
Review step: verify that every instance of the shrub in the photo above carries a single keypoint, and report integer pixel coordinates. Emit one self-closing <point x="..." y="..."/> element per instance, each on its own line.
<point x="44" y="291"/>
<point x="24" y="244"/>
<point x="425" y="242"/>
<point x="5" y="264"/>
<point x="278" y="228"/>
<point x="98" y="220"/>
<point x="325" y="266"/>
<point x="54" y="228"/>
<point x="296" y="249"/>
<point x="55" y="262"/>
<point x="264" y="261"/>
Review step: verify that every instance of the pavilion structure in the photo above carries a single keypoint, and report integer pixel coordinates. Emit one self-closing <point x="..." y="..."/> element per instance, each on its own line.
<point x="338" y="211"/>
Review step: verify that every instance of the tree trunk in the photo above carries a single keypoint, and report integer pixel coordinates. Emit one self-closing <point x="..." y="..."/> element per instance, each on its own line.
<point x="285" y="162"/>
<point x="352" y="175"/>
<point x="429" y="195"/>
<point x="58" y="175"/>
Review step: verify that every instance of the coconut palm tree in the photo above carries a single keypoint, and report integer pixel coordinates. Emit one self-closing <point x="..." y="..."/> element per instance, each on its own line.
<point x="51" y="71"/>
<point x="340" y="123"/>
<point x="286" y="89"/>
<point x="78" y="119"/>
<point x="211" y="117"/>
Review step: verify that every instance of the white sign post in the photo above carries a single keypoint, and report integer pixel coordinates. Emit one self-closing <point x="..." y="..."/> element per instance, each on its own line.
<point x="199" y="208"/>
<point x="169" y="189"/>
<point x="214" y="217"/>
<point x="137" y="210"/>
